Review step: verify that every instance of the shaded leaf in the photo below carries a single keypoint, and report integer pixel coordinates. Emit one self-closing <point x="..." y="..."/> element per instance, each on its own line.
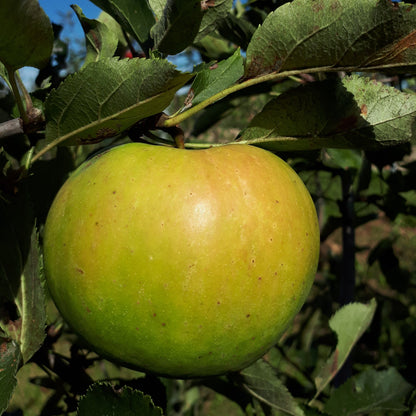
<point x="354" y="112"/>
<point x="370" y="391"/>
<point x="336" y="33"/>
<point x="136" y="17"/>
<point x="311" y="411"/>
<point x="101" y="42"/>
<point x="383" y="253"/>
<point x="262" y="383"/>
<point x="213" y="47"/>
<point x="383" y="157"/>
<point x="237" y="30"/>
<point x="103" y="399"/>
<point x="33" y="303"/>
<point x="333" y="223"/>
<point x="217" y="78"/>
<point x="109" y="96"/>
<point x="349" y="323"/>
<point x="178" y="26"/>
<point x="11" y="265"/>
<point x="26" y="36"/>
<point x="47" y="177"/>
<point x="211" y="115"/>
<point x="344" y="158"/>
<point x="9" y="365"/>
<point x="216" y="11"/>
<point x="16" y="224"/>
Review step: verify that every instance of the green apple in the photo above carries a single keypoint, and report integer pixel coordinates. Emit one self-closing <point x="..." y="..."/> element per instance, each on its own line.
<point x="184" y="263"/>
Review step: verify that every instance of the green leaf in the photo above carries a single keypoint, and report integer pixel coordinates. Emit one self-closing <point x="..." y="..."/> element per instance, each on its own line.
<point x="349" y="323"/>
<point x="237" y="30"/>
<point x="10" y="324"/>
<point x="16" y="224"/>
<point x="114" y="28"/>
<point x="136" y="17"/>
<point x="214" y="47"/>
<point x="262" y="383"/>
<point x="354" y="112"/>
<point x="101" y="42"/>
<point x="109" y="96"/>
<point x="211" y="115"/>
<point x="4" y="74"/>
<point x="103" y="399"/>
<point x="216" y="11"/>
<point x="344" y="158"/>
<point x="11" y="265"/>
<point x="335" y="33"/>
<point x="310" y="411"/>
<point x="26" y="36"/>
<point x="9" y="365"/>
<point x="33" y="303"/>
<point x="178" y="26"/>
<point x="370" y="391"/>
<point x="157" y="7"/>
<point x="217" y="78"/>
<point x="384" y="253"/>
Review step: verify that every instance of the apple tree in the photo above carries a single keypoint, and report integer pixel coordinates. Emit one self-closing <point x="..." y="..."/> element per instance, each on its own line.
<point x="327" y="85"/>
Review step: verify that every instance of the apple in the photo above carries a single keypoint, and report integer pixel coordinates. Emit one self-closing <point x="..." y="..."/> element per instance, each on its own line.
<point x="183" y="263"/>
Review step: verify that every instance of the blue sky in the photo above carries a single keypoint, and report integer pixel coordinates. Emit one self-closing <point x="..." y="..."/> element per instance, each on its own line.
<point x="56" y="9"/>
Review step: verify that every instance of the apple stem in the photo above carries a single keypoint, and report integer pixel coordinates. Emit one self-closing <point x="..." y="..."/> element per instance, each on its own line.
<point x="179" y="137"/>
<point x="174" y="131"/>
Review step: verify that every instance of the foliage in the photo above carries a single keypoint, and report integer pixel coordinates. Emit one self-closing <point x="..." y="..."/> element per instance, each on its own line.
<point x="327" y="84"/>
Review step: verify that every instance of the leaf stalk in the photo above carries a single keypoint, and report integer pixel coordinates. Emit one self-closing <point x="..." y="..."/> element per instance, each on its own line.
<point x="274" y="76"/>
<point x="15" y="89"/>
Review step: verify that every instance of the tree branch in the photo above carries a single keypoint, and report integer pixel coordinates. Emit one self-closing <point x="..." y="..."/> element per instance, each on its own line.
<point x="11" y="128"/>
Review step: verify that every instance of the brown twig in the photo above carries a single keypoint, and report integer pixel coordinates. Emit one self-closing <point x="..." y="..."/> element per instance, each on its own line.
<point x="11" y="128"/>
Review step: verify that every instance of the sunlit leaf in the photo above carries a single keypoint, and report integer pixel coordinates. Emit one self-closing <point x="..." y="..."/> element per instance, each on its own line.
<point x="109" y="96"/>
<point x="335" y="33"/>
<point x="355" y="113"/>
<point x="157" y="7"/>
<point x="114" y="27"/>
<point x="101" y="41"/>
<point x="349" y="323"/>
<point x="136" y="17"/>
<point x="215" y="79"/>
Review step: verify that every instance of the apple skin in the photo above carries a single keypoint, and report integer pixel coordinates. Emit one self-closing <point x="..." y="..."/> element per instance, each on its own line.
<point x="183" y="263"/>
